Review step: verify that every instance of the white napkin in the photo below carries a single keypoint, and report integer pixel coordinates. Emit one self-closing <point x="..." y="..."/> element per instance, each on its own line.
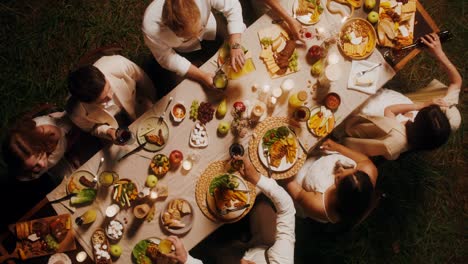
<point x="373" y="75"/>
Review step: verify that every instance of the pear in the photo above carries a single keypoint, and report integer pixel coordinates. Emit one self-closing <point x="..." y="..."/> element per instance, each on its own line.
<point x="222" y="109"/>
<point x="317" y="68"/>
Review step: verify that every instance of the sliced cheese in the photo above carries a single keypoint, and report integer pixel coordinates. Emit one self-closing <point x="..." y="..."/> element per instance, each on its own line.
<point x="364" y="81"/>
<point x="404" y="31"/>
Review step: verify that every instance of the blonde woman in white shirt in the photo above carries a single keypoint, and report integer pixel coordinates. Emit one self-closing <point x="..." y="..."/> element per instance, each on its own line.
<point x="282" y="250"/>
<point x="171" y="26"/>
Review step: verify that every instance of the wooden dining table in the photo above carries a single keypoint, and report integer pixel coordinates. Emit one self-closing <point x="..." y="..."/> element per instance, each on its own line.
<point x="181" y="183"/>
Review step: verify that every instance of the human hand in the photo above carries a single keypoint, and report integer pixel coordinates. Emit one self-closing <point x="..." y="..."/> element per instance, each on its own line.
<point x="111" y="132"/>
<point x="247" y="170"/>
<point x="206" y="79"/>
<point x="329" y="145"/>
<point x="433" y="44"/>
<point x="297" y="30"/>
<point x="440" y="102"/>
<point x="237" y="59"/>
<point x="180" y="254"/>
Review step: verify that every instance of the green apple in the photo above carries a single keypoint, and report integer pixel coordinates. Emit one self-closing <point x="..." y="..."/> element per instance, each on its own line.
<point x="151" y="181"/>
<point x="223" y="127"/>
<point x="369" y="4"/>
<point x="373" y="17"/>
<point x="115" y="251"/>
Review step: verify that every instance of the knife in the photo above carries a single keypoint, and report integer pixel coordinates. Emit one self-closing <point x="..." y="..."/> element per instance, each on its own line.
<point x="298" y="140"/>
<point x="227" y="211"/>
<point x="133" y="151"/>
<point x="66" y="197"/>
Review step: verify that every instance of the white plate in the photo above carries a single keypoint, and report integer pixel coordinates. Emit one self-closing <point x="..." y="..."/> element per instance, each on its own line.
<point x="148" y="124"/>
<point x="194" y="143"/>
<point x="59" y="258"/>
<point x="75" y="178"/>
<point x="304" y="19"/>
<point x="362" y="65"/>
<point x="232" y="215"/>
<point x="284" y="166"/>
<point x="186" y="219"/>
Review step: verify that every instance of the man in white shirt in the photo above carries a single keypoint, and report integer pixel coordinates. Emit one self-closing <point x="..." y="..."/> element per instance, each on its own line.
<point x="282" y="251"/>
<point x="101" y="91"/>
<point x="164" y="34"/>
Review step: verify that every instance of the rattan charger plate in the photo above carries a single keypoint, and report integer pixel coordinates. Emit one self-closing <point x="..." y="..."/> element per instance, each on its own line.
<point x="259" y="131"/>
<point x="214" y="169"/>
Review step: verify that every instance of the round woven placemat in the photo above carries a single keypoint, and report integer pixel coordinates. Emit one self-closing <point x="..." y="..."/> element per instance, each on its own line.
<point x="259" y="131"/>
<point x="214" y="169"/>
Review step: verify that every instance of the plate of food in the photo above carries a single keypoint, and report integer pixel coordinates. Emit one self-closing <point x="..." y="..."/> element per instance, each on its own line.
<point x="228" y="196"/>
<point x="45" y="236"/>
<point x="124" y="192"/>
<point x="366" y="83"/>
<point x="396" y="23"/>
<point x="357" y="39"/>
<point x="307" y="12"/>
<point x="198" y="136"/>
<point x="278" y="51"/>
<point x="160" y="164"/>
<point x="151" y="250"/>
<point x="101" y="247"/>
<point x="155" y="132"/>
<point x="321" y="121"/>
<point x="83" y="183"/>
<point x="278" y="147"/>
<point x="177" y="217"/>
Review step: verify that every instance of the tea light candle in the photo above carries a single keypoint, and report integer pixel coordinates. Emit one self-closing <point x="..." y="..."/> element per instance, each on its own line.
<point x="81" y="256"/>
<point x="272" y="101"/>
<point x="112" y="210"/>
<point x="277" y="92"/>
<point x="187" y="165"/>
<point x="333" y="58"/>
<point x="287" y="85"/>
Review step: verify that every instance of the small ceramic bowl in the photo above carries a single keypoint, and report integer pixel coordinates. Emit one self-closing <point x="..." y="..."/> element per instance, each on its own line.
<point x="114" y="230"/>
<point x="178" y="112"/>
<point x="332" y="101"/>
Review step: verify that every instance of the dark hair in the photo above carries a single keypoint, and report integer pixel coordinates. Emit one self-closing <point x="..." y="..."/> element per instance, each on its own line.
<point x="86" y="83"/>
<point x="430" y="129"/>
<point x="353" y="197"/>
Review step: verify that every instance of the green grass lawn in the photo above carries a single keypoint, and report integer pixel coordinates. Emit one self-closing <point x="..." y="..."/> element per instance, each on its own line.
<point x="423" y="217"/>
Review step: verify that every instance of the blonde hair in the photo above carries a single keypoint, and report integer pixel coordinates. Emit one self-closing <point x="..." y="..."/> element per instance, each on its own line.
<point x="181" y="16"/>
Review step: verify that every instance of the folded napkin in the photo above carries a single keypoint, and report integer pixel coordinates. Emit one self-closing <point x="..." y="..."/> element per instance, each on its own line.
<point x="373" y="76"/>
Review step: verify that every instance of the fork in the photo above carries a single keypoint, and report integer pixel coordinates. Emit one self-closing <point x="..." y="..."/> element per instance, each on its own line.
<point x="266" y="154"/>
<point x="229" y="210"/>
<point x="361" y="73"/>
<point x="162" y="116"/>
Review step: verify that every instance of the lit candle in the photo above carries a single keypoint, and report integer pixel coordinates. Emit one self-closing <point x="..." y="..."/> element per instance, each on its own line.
<point x="153" y="195"/>
<point x="277" y="92"/>
<point x="187" y="165"/>
<point x="266" y="88"/>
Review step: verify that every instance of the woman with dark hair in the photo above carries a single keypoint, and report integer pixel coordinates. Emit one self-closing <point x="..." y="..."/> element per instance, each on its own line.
<point x="335" y="188"/>
<point x="34" y="145"/>
<point x="391" y="123"/>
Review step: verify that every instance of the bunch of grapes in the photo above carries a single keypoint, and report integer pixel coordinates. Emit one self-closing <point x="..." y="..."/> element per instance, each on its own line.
<point x="194" y="110"/>
<point x="402" y="1"/>
<point x="205" y="112"/>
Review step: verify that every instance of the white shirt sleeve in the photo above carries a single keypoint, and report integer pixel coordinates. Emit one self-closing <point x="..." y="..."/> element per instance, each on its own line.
<point x="282" y="252"/>
<point x="166" y="56"/>
<point x="232" y="10"/>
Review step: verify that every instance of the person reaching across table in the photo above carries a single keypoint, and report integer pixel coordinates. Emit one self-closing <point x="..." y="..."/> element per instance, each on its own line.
<point x="180" y="25"/>
<point x="391" y="123"/>
<point x="282" y="249"/>
<point x="295" y="27"/>
<point x="335" y="188"/>
<point x="101" y="92"/>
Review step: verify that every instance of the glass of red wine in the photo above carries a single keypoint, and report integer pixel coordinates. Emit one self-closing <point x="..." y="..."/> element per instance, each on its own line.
<point x="124" y="136"/>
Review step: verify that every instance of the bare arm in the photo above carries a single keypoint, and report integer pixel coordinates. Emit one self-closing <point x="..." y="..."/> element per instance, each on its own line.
<point x="204" y="78"/>
<point x="293" y="24"/>
<point x="363" y="163"/>
<point x="432" y="41"/>
<point x="311" y="202"/>
<point x="393" y="110"/>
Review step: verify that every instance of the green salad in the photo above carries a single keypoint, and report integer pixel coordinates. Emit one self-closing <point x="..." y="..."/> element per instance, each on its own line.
<point x="224" y="181"/>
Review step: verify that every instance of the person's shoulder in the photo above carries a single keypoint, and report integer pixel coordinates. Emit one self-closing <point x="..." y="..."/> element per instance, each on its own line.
<point x="72" y="106"/>
<point x="152" y="16"/>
